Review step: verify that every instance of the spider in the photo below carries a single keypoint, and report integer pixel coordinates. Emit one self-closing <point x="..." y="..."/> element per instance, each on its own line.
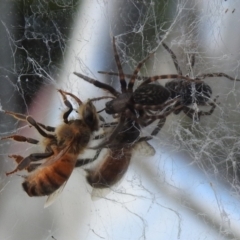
<point x="127" y="103"/>
<point x="145" y="98"/>
<point x="189" y="90"/>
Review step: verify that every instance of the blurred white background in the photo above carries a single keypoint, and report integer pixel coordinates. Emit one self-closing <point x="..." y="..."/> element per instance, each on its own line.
<point x="181" y="192"/>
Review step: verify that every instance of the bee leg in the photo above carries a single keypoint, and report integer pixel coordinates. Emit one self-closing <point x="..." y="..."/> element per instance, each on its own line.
<point x="38" y="128"/>
<point x="111" y="124"/>
<point x="31" y="121"/>
<point x="158" y="127"/>
<point x="25" y="162"/>
<point x="100" y="136"/>
<point x="48" y="128"/>
<point x="18" y="116"/>
<point x="64" y="93"/>
<point x="112" y="135"/>
<point x="20" y="138"/>
<point x="81" y="162"/>
<point x="32" y="167"/>
<point x="17" y="158"/>
<point x="68" y="104"/>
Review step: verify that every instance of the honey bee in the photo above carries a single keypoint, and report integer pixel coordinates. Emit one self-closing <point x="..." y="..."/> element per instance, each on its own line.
<point x="62" y="147"/>
<point x="117" y="159"/>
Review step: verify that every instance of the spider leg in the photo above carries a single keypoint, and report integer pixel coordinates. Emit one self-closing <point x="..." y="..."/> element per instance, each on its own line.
<point x="20" y="138"/>
<point x="172" y="76"/>
<point x="192" y="60"/>
<point x="116" y="74"/>
<point x="202" y="76"/>
<point x="135" y="73"/>
<point x="127" y="145"/>
<point x="119" y="66"/>
<point x="192" y="114"/>
<point x="98" y="84"/>
<point x="174" y="58"/>
<point x="158" y="106"/>
<point x="31" y="121"/>
<point x="154" y="117"/>
<point x="169" y="76"/>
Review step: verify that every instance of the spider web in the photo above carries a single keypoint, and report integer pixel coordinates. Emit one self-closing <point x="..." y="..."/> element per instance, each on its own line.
<point x="190" y="188"/>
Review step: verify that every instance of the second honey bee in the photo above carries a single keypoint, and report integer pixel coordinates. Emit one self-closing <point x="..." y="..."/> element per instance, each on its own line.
<point x="62" y="147"/>
<point x="117" y="159"/>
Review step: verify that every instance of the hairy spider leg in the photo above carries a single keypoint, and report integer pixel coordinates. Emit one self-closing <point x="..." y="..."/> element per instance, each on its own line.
<point x="120" y="70"/>
<point x="192" y="113"/>
<point x="98" y="84"/>
<point x="192" y="62"/>
<point x="174" y="58"/>
<point x="175" y="61"/>
<point x="136" y="71"/>
<point x="179" y="71"/>
<point x="134" y="75"/>
<point x="205" y="75"/>
<point x="121" y="74"/>
<point x="169" y="76"/>
<point x="152" y="118"/>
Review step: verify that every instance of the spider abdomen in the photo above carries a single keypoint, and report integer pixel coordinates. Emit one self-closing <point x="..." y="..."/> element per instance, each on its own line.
<point x="189" y="92"/>
<point x="151" y="94"/>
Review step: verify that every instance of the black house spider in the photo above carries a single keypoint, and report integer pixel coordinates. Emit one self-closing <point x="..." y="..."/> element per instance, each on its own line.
<point x="147" y="97"/>
<point x="188" y="90"/>
<point x="127" y="103"/>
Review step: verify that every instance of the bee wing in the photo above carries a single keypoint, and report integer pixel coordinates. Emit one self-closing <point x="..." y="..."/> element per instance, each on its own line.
<point x="55" y="157"/>
<point x="99" y="193"/>
<point x="144" y="148"/>
<point x="52" y="197"/>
